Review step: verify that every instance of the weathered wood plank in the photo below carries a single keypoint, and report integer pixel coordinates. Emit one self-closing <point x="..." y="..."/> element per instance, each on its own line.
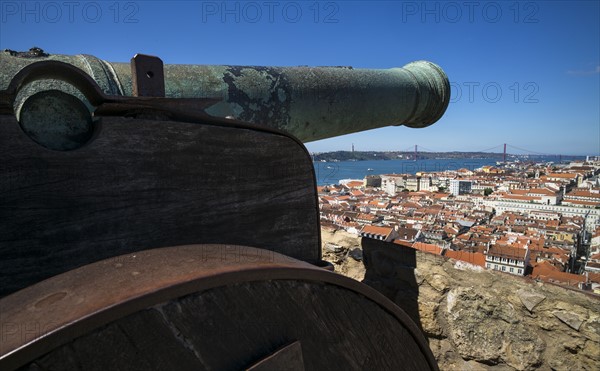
<point x="288" y="358"/>
<point x="144" y="184"/>
<point x="122" y="347"/>
<point x="232" y="327"/>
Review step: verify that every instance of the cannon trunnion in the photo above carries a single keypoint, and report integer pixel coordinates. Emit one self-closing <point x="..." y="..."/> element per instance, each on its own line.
<point x="139" y="232"/>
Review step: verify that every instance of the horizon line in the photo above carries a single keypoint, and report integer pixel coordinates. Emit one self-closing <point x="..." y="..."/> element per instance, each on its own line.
<point x="454" y="151"/>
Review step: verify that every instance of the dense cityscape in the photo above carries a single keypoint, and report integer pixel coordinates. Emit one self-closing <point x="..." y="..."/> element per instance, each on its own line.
<point x="539" y="220"/>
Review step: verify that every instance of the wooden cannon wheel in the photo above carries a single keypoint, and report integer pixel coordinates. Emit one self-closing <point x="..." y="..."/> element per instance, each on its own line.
<point x="206" y="307"/>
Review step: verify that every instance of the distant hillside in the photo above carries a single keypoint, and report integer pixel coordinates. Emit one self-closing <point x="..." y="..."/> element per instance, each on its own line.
<point x="397" y="155"/>
<point x="406" y="155"/>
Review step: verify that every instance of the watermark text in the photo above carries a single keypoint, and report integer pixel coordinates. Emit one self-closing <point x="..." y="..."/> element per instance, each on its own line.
<point x="494" y="92"/>
<point x="469" y="11"/>
<point x="69" y="11"/>
<point x="270" y="11"/>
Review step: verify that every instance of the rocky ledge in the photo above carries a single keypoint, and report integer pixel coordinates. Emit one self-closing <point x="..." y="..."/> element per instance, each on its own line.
<point x="476" y="319"/>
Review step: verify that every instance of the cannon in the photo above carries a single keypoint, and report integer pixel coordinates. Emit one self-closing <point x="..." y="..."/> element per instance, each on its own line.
<point x="309" y="103"/>
<point x="166" y="217"/>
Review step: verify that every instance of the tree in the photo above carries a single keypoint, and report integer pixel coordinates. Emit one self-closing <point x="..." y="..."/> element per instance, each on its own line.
<point x="487" y="191"/>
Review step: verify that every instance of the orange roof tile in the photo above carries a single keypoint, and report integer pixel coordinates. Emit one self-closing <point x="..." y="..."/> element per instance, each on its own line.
<point x="583" y="193"/>
<point x="507" y="252"/>
<point x="545" y="266"/>
<point x="554" y="276"/>
<point x="354" y="184"/>
<point x="475" y="258"/>
<point x="370" y="217"/>
<point x="427" y="247"/>
<point x="562" y="175"/>
<point x="542" y="191"/>
<point x="594" y="277"/>
<point x="381" y="231"/>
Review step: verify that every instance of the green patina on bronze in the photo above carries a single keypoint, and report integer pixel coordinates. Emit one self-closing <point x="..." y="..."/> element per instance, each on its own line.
<point x="74" y="128"/>
<point x="309" y="102"/>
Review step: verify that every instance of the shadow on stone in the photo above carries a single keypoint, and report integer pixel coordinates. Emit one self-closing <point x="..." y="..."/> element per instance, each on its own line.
<point x="390" y="269"/>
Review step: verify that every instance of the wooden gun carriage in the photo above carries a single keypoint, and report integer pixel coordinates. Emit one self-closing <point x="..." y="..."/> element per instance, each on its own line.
<point x="139" y="230"/>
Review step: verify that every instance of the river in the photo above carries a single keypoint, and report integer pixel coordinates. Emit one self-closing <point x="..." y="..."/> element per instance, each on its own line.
<point x="333" y="172"/>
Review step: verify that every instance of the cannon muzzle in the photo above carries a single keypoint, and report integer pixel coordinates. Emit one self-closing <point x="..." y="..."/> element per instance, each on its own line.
<point x="309" y="102"/>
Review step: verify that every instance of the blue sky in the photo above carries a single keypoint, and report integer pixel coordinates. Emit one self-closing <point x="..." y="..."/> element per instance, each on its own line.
<point x="526" y="73"/>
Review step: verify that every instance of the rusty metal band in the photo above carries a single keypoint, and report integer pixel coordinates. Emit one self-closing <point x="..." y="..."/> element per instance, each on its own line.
<point x="77" y="302"/>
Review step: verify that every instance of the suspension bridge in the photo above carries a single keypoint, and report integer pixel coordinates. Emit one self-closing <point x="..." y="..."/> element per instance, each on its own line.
<point x="505" y="150"/>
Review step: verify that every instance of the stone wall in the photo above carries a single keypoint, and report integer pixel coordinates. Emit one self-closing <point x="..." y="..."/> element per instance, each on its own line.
<point x="475" y="319"/>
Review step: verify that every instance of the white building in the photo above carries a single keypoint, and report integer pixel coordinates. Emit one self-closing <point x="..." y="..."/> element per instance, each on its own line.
<point x="425" y="184"/>
<point x="392" y="183"/>
<point x="592" y="216"/>
<point x="412" y="183"/>
<point x="507" y="259"/>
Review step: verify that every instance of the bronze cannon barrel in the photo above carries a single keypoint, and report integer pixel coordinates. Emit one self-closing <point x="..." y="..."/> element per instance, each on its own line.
<point x="309" y="102"/>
